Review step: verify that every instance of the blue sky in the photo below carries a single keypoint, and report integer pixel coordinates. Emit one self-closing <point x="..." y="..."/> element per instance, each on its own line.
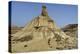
<point x="24" y="12"/>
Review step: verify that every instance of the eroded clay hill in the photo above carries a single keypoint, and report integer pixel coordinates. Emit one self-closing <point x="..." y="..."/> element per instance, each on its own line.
<point x="40" y="34"/>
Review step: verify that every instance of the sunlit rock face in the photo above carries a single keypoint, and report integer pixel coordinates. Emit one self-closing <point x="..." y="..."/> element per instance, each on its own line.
<point x="40" y="34"/>
<point x="72" y="31"/>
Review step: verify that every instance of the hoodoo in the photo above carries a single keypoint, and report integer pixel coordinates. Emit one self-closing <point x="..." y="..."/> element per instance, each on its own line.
<point x="40" y="34"/>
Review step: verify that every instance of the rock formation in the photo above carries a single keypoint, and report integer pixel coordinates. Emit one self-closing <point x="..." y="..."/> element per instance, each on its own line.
<point x="72" y="31"/>
<point x="39" y="34"/>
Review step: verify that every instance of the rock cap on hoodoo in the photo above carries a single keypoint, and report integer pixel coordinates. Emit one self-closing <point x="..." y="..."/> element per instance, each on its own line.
<point x="44" y="11"/>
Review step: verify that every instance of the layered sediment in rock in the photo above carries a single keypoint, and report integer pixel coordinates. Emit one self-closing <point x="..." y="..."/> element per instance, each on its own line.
<point x="40" y="34"/>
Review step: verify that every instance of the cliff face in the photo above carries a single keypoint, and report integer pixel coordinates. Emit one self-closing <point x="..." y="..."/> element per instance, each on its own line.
<point x="72" y="31"/>
<point x="40" y="34"/>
